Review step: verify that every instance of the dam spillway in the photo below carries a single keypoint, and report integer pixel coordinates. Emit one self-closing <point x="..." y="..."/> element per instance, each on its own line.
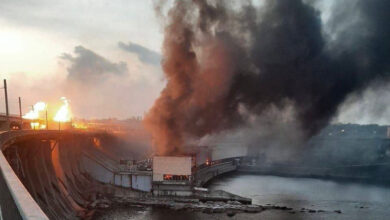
<point x="57" y="168"/>
<point x="71" y="174"/>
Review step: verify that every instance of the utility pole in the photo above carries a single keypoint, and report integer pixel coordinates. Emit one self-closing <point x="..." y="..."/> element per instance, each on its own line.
<point x="20" y="113"/>
<point x="47" y="124"/>
<point x="6" y="98"/>
<point x="32" y="107"/>
<point x="6" y="104"/>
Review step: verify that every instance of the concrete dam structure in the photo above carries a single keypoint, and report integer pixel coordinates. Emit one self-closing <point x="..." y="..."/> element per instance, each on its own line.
<point x="65" y="172"/>
<point x="49" y="174"/>
<point x="53" y="167"/>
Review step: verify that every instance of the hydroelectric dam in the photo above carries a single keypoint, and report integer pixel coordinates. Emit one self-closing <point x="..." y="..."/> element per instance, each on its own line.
<point x="49" y="174"/>
<point x="77" y="174"/>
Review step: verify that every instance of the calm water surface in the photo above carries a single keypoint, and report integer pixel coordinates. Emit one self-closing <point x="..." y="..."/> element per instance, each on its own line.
<point x="356" y="201"/>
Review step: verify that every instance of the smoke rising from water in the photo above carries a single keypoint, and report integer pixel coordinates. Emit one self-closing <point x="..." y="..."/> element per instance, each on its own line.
<point x="221" y="57"/>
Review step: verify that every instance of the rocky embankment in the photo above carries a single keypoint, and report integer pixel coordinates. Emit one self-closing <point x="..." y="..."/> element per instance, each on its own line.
<point x="231" y="208"/>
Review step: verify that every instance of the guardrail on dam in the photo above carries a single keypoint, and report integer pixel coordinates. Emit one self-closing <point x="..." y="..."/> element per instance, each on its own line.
<point x="15" y="201"/>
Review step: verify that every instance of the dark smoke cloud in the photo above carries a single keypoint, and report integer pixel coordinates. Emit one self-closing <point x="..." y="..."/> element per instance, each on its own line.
<point x="89" y="67"/>
<point x="220" y="59"/>
<point x="144" y="54"/>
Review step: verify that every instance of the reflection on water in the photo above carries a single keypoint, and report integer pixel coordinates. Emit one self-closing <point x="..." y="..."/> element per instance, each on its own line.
<point x="356" y="201"/>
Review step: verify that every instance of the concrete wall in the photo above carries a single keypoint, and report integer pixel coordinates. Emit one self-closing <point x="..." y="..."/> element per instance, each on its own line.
<point x="15" y="201"/>
<point x="97" y="171"/>
<point x="8" y="208"/>
<point x="142" y="183"/>
<point x="171" y="165"/>
<point x="172" y="190"/>
<point x="202" y="176"/>
<point x="123" y="180"/>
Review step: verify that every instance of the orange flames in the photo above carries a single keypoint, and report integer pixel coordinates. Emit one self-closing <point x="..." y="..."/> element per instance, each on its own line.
<point x="80" y="126"/>
<point x="35" y="111"/>
<point x="63" y="114"/>
<point x="36" y="114"/>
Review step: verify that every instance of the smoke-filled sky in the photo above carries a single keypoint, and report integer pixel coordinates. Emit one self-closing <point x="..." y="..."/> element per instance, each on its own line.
<point x="105" y="55"/>
<point x="227" y="63"/>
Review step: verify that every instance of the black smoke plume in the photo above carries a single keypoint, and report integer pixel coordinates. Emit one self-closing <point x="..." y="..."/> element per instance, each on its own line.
<point x="220" y="57"/>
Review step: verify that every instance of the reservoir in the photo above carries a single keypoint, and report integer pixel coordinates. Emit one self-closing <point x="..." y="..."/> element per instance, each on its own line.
<point x="326" y="197"/>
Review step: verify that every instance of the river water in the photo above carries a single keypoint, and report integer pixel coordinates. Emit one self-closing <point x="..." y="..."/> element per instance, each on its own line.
<point x="354" y="200"/>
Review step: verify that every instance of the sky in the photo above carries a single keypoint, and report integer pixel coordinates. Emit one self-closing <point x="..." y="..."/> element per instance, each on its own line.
<point x="104" y="56"/>
<point x="105" y="52"/>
